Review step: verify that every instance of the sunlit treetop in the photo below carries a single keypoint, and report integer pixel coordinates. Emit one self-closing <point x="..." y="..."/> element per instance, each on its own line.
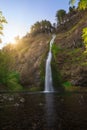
<point x="2" y="21"/>
<point x="82" y="4"/>
<point x="84" y="36"/>
<point x="72" y="2"/>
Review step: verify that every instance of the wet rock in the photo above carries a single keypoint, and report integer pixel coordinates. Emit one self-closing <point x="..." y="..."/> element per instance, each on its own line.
<point x="5" y="97"/>
<point x="16" y="104"/>
<point x="10" y="98"/>
<point x="41" y="104"/>
<point x="22" y="100"/>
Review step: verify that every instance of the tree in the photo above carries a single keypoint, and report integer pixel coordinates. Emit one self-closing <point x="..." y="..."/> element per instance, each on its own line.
<point x="72" y="2"/>
<point x="46" y="26"/>
<point x="41" y="27"/>
<point x="72" y="9"/>
<point x="2" y="21"/>
<point x="60" y="15"/>
<point x="82" y="4"/>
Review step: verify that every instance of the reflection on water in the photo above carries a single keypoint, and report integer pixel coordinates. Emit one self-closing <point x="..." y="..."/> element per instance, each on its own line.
<point x="50" y="110"/>
<point x="43" y="111"/>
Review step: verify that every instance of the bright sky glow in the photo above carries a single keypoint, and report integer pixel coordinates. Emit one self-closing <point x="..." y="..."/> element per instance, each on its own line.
<point x="21" y="14"/>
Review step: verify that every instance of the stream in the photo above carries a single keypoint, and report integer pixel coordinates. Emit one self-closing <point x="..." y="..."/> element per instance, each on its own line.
<point x="43" y="111"/>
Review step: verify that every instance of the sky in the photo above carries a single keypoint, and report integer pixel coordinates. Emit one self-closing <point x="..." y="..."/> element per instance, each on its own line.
<point x="22" y="14"/>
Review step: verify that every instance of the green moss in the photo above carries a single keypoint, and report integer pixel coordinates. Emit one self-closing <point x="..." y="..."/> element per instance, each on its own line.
<point x="55" y="50"/>
<point x="57" y="79"/>
<point x="84" y="64"/>
<point x="69" y="87"/>
<point x="74" y="56"/>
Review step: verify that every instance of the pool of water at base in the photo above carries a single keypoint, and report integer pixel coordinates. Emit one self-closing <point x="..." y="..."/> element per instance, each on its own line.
<point x="43" y="111"/>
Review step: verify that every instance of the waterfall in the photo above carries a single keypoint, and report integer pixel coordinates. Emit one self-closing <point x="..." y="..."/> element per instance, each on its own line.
<point x="48" y="73"/>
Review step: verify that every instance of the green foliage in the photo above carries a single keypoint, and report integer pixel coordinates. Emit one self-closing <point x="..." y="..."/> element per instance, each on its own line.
<point x="55" y="49"/>
<point x="69" y="88"/>
<point x="13" y="76"/>
<point x="13" y="81"/>
<point x="67" y="84"/>
<point x="60" y="15"/>
<point x="4" y="66"/>
<point x="72" y="2"/>
<point x="7" y="77"/>
<point x="82" y="5"/>
<point x="2" y="21"/>
<point x="57" y="79"/>
<point x="41" y="27"/>
<point x="84" y="36"/>
<point x="72" y="9"/>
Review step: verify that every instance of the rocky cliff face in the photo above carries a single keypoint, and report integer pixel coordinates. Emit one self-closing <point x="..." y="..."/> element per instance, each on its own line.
<point x="28" y="54"/>
<point x="71" y="60"/>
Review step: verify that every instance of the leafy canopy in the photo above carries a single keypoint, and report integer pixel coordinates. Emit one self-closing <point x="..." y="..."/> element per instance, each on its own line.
<point x="72" y="2"/>
<point x="41" y="27"/>
<point x="2" y="21"/>
<point x="60" y="14"/>
<point x="82" y="4"/>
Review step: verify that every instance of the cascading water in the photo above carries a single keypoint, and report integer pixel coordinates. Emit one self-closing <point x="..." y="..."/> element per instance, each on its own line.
<point x="48" y="73"/>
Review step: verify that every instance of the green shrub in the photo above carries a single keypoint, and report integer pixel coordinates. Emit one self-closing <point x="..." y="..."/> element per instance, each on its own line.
<point x="67" y="84"/>
<point x="13" y="81"/>
<point x="14" y="86"/>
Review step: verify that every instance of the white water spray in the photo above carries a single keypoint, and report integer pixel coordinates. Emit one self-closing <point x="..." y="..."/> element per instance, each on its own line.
<point x="48" y="73"/>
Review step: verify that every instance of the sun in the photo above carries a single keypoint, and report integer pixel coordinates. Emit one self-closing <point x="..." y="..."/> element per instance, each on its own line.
<point x="8" y="40"/>
<point x="12" y="41"/>
<point x="10" y="34"/>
